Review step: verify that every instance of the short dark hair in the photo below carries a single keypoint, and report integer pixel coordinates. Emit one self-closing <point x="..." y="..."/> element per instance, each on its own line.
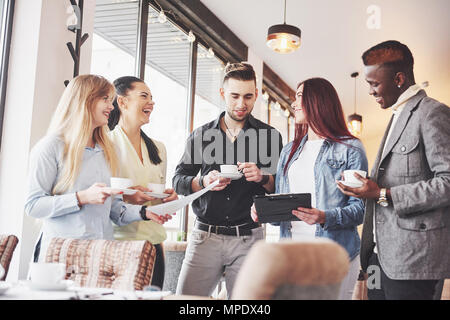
<point x="391" y="54"/>
<point x="239" y="71"/>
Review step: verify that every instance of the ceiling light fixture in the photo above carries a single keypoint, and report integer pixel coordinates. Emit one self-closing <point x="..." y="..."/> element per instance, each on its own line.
<point x="210" y="53"/>
<point x="162" y="17"/>
<point x="354" y="123"/>
<point x="283" y="38"/>
<point x="191" y="36"/>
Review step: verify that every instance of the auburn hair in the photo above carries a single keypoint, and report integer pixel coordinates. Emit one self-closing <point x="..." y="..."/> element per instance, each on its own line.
<point x="323" y="113"/>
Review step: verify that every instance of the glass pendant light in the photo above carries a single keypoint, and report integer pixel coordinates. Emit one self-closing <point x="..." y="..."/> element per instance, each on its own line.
<point x="283" y="38"/>
<point x="354" y="123"/>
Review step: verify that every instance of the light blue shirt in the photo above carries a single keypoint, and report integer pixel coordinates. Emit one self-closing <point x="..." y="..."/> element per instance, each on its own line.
<point x="61" y="215"/>
<point x="342" y="213"/>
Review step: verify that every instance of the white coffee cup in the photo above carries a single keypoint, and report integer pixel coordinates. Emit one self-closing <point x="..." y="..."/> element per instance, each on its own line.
<point x="120" y="183"/>
<point x="349" y="176"/>
<point x="157" y="187"/>
<point x="229" y="168"/>
<point x="47" y="273"/>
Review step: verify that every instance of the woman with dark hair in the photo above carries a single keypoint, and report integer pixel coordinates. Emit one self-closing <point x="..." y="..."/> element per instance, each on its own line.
<point x="322" y="149"/>
<point x="141" y="159"/>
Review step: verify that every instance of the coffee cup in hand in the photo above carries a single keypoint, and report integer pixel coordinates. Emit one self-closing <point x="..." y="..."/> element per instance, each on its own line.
<point x="47" y="273"/>
<point x="120" y="183"/>
<point x="229" y="169"/>
<point x="157" y="187"/>
<point x="350" y="177"/>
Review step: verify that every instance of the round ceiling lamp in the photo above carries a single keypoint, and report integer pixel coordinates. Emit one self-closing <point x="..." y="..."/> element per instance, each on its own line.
<point x="283" y="38"/>
<point x="354" y="123"/>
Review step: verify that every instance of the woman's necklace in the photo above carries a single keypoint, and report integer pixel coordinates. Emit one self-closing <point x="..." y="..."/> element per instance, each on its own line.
<point x="229" y="131"/>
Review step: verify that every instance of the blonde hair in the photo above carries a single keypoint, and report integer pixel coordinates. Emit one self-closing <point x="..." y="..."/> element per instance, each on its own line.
<point x="73" y="120"/>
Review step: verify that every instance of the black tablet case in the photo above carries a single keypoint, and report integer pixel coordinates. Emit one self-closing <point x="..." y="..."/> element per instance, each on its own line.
<point x="277" y="208"/>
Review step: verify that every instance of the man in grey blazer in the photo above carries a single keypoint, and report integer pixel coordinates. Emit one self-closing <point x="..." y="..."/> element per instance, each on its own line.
<point x="406" y="230"/>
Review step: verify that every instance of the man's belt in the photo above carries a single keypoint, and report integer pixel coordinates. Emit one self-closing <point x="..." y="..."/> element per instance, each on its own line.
<point x="239" y="230"/>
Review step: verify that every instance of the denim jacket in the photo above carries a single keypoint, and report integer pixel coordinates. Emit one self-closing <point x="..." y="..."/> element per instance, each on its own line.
<point x="342" y="213"/>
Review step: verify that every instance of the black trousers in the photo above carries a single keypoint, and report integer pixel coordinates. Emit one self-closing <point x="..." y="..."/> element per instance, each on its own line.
<point x="403" y="289"/>
<point x="158" y="268"/>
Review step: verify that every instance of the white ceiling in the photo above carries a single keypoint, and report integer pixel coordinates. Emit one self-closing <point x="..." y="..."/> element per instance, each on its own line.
<point x="334" y="36"/>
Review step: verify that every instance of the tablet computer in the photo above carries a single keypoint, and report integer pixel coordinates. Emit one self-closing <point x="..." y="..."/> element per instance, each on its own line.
<point x="278" y="207"/>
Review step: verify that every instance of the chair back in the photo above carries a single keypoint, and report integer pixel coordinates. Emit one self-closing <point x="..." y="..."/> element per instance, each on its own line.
<point x="174" y="252"/>
<point x="292" y="270"/>
<point x="123" y="265"/>
<point x="8" y="244"/>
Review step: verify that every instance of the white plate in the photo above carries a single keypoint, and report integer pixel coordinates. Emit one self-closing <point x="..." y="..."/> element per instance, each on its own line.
<point x="351" y="184"/>
<point x="232" y="176"/>
<point x="4" y="286"/>
<point x="125" y="191"/>
<point x="62" y="286"/>
<point x="157" y="195"/>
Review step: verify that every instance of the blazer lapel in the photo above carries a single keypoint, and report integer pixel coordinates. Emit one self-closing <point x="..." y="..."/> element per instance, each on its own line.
<point x="401" y="122"/>
<point x="380" y="151"/>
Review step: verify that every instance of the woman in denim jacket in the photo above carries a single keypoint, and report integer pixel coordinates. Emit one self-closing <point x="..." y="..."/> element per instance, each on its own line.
<point x="322" y="149"/>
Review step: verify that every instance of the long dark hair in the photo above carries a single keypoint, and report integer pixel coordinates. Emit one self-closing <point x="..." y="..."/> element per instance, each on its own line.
<point x="323" y="113"/>
<point x="122" y="85"/>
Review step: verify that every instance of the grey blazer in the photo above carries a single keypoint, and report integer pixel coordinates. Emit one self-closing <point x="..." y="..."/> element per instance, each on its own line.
<point x="413" y="232"/>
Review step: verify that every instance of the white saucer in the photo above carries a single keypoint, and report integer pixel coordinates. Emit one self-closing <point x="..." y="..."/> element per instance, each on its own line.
<point x="157" y="195"/>
<point x="4" y="286"/>
<point x="61" y="286"/>
<point x="351" y="184"/>
<point x="232" y="176"/>
<point x="125" y="191"/>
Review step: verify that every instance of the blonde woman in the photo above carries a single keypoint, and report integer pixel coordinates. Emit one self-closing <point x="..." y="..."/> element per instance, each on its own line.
<point x="142" y="160"/>
<point x="71" y="166"/>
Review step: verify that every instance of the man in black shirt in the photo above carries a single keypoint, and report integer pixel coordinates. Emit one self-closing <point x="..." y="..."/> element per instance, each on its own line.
<point x="224" y="230"/>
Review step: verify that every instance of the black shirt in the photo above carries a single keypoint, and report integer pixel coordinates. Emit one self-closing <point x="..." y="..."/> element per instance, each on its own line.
<point x="207" y="148"/>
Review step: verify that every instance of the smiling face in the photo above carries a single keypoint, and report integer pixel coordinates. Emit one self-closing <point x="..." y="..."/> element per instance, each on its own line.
<point x="383" y="85"/>
<point x="240" y="97"/>
<point x="298" y="107"/>
<point x="102" y="109"/>
<point x="137" y="105"/>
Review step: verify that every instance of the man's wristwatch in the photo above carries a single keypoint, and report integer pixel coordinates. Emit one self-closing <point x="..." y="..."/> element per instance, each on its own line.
<point x="383" y="201"/>
<point x="264" y="180"/>
<point x="200" y="182"/>
<point x="143" y="213"/>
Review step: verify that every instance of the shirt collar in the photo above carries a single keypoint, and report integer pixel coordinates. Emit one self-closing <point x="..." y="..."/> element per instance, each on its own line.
<point x="405" y="96"/>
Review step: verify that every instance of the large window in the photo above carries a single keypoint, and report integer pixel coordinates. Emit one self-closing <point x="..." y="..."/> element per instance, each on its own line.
<point x="167" y="75"/>
<point x="279" y="119"/>
<point x="208" y="103"/>
<point x="6" y="16"/>
<point x="115" y="37"/>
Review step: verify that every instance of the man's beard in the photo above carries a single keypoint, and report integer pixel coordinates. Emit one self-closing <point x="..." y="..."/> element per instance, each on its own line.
<point x="230" y="114"/>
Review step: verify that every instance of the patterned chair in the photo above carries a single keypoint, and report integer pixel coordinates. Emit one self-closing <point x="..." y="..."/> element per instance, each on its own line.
<point x="7" y="245"/>
<point x="292" y="270"/>
<point x="123" y="265"/>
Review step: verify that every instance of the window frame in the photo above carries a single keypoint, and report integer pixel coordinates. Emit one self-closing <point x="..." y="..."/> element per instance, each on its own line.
<point x="6" y="31"/>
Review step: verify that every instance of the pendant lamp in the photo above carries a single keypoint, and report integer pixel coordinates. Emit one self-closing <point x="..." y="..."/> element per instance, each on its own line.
<point x="283" y="38"/>
<point x="354" y="123"/>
